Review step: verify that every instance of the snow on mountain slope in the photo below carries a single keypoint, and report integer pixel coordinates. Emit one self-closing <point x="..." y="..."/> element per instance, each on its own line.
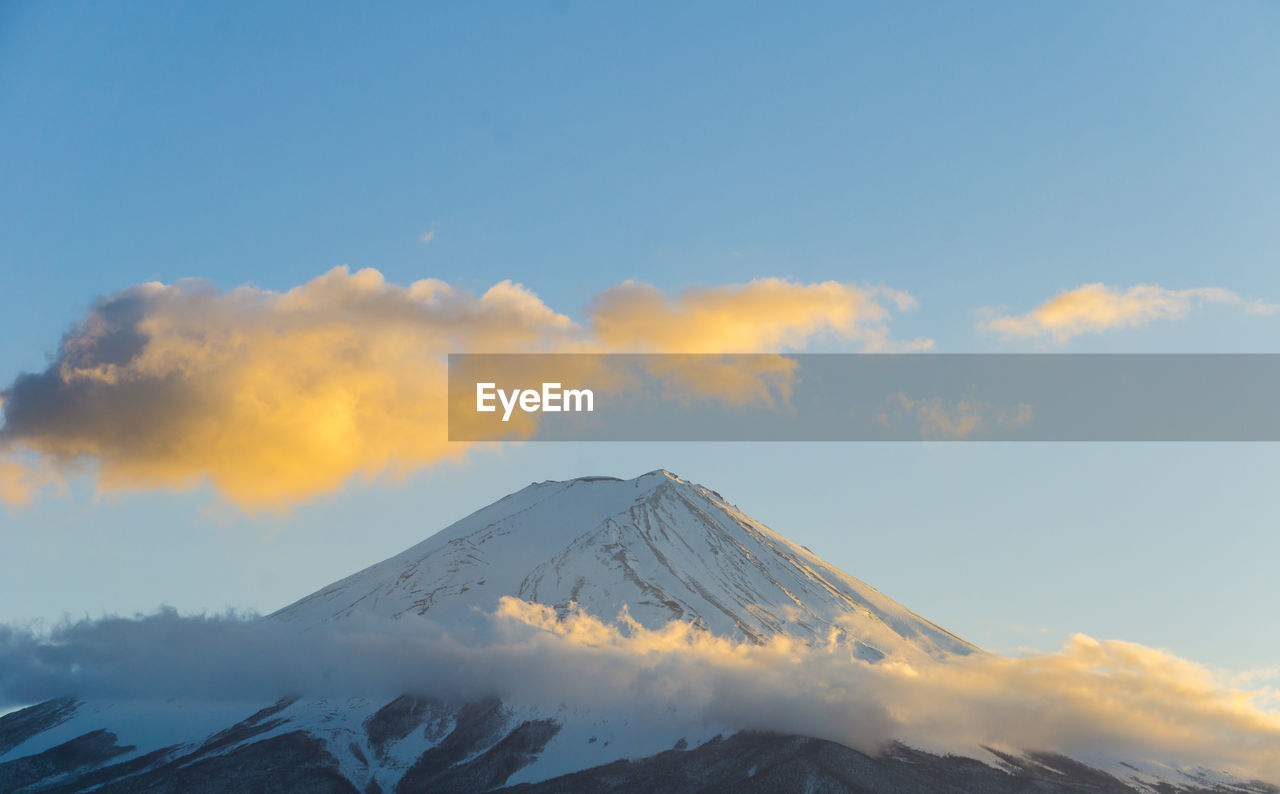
<point x="660" y="547"/>
<point x="410" y="743"/>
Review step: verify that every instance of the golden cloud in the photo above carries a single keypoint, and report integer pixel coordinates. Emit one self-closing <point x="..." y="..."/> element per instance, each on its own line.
<point x="15" y="483"/>
<point x="765" y="314"/>
<point x="1095" y="308"/>
<point x="1101" y="699"/>
<point x="274" y="398"/>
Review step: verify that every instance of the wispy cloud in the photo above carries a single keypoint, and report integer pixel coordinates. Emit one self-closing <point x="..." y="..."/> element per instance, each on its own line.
<point x="19" y="482"/>
<point x="1096" y="308"/>
<point x="15" y="483"/>
<point x="277" y="397"/>
<point x="938" y="419"/>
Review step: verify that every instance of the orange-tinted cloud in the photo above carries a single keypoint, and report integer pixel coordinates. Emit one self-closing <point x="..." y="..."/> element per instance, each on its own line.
<point x="1095" y="308"/>
<point x="762" y="315"/>
<point x="274" y="398"/>
<point x="16" y="486"/>
<point x="20" y="481"/>
<point x="1099" y="699"/>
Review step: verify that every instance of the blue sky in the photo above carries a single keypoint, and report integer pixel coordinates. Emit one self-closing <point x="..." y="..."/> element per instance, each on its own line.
<point x="973" y="156"/>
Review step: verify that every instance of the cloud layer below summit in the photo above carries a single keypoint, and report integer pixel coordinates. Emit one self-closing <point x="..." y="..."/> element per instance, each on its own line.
<point x="1092" y="700"/>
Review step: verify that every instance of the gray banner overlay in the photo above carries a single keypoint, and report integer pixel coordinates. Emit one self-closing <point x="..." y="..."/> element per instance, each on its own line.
<point x="864" y="397"/>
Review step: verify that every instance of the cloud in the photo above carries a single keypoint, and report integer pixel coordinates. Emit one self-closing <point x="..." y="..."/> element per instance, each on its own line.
<point x="765" y="314"/>
<point x="15" y="483"/>
<point x="272" y="397"/>
<point x="20" y="481"/>
<point x="944" y="420"/>
<point x="276" y="397"/>
<point x="1095" y="308"/>
<point x="1092" y="699"/>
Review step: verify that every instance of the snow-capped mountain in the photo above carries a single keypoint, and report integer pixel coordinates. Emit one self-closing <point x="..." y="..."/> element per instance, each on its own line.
<point x="656" y="546"/>
<point x="660" y="547"/>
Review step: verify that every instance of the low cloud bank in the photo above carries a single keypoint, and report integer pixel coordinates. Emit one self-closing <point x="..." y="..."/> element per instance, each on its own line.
<point x="1092" y="699"/>
<point x="277" y="397"/>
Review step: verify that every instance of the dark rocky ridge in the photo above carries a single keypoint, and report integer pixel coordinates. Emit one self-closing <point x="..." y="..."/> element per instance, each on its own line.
<point x="478" y="750"/>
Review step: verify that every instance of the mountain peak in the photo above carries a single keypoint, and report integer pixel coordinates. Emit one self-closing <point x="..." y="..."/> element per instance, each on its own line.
<point x="670" y="475"/>
<point x="663" y="548"/>
<point x="648" y="478"/>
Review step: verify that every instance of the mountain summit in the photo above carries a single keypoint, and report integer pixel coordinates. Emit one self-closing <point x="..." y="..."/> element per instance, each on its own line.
<point x="662" y="548"/>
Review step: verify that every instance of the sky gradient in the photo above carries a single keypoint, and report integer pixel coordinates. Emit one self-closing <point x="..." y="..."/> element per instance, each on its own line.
<point x="981" y="160"/>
